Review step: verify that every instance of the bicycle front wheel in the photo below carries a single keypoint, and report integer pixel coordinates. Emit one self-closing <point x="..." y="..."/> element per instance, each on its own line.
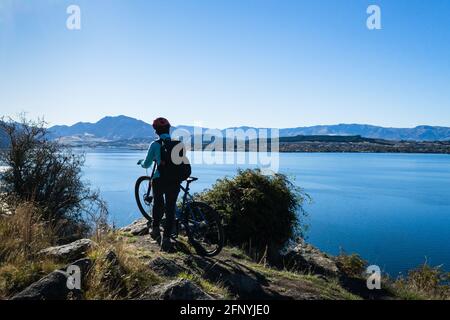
<point x="204" y="229"/>
<point x="144" y="199"/>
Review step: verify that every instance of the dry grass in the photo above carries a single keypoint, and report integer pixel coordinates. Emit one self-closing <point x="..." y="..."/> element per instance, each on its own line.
<point x="22" y="235"/>
<point x="216" y="290"/>
<point x="126" y="278"/>
<point x="423" y="283"/>
<point x="14" y="277"/>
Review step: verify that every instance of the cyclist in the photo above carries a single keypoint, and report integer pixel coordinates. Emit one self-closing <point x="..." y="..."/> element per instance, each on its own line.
<point x="161" y="187"/>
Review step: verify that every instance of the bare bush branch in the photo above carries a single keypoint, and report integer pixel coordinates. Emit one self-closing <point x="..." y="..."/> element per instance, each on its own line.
<point x="50" y="175"/>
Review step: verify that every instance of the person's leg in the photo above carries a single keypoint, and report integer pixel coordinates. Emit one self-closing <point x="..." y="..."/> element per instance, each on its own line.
<point x="158" y="206"/>
<point x="171" y="193"/>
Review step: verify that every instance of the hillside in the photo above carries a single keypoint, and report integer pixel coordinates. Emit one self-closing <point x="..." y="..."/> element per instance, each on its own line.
<point x="129" y="254"/>
<point x="126" y="132"/>
<point x="354" y="144"/>
<point x="419" y="133"/>
<point x="360" y="144"/>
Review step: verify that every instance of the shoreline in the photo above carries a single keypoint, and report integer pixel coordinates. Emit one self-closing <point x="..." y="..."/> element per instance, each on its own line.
<point x="284" y="151"/>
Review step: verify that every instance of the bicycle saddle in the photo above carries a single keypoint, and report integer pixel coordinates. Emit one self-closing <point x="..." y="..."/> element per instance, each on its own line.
<point x="191" y="179"/>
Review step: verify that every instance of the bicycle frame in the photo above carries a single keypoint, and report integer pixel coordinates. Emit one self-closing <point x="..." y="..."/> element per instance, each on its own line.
<point x="186" y="196"/>
<point x="151" y="179"/>
<point x="190" y="216"/>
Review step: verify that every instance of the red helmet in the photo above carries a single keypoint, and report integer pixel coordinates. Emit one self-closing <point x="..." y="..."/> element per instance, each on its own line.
<point x="161" y="124"/>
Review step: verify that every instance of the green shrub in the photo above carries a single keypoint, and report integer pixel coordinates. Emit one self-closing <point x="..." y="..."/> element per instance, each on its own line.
<point x="260" y="212"/>
<point x="352" y="265"/>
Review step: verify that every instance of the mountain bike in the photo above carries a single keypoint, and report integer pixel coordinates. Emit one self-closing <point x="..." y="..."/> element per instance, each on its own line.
<point x="198" y="220"/>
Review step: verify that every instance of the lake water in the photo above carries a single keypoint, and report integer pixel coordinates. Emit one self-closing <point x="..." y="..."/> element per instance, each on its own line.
<point x="392" y="209"/>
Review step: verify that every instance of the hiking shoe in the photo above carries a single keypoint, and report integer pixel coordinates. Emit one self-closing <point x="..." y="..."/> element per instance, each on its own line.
<point x="156" y="235"/>
<point x="166" y="245"/>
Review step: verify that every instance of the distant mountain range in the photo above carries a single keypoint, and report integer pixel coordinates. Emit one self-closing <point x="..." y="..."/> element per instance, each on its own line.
<point x="108" y="128"/>
<point x="125" y="128"/>
<point x="419" y="133"/>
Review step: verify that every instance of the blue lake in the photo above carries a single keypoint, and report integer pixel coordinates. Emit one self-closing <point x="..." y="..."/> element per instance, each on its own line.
<point x="392" y="209"/>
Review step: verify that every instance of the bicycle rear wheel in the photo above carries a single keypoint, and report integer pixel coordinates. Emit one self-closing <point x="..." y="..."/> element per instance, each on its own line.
<point x="144" y="199"/>
<point x="204" y="229"/>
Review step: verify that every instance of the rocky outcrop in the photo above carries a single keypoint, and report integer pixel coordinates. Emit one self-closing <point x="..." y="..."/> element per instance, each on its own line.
<point x="166" y="267"/>
<point x="69" y="252"/>
<point x="236" y="277"/>
<point x="55" y="285"/>
<point x="186" y="275"/>
<point x="181" y="289"/>
<point x="228" y="275"/>
<point x="137" y="228"/>
<point x="304" y="257"/>
<point x="235" y="274"/>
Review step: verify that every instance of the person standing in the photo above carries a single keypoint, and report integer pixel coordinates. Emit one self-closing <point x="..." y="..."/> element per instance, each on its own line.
<point x="165" y="189"/>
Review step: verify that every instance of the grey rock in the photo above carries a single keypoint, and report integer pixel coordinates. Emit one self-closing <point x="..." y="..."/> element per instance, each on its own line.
<point x="166" y="267"/>
<point x="304" y="257"/>
<point x="69" y="252"/>
<point x="137" y="228"/>
<point x="181" y="289"/>
<point x="54" y="286"/>
<point x="84" y="264"/>
<point x="237" y="278"/>
<point x="112" y="258"/>
<point x="244" y="285"/>
<point x="51" y="287"/>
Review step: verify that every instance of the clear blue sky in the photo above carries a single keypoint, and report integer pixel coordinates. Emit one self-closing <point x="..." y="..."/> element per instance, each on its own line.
<point x="225" y="62"/>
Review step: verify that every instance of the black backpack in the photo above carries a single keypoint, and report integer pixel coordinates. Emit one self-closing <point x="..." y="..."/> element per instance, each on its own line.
<point x="168" y="170"/>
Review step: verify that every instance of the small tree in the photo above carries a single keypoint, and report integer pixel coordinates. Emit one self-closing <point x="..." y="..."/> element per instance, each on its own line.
<point x="260" y="212"/>
<point x="47" y="174"/>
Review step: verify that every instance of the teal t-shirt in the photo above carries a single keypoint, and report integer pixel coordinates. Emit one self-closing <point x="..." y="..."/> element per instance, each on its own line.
<point x="154" y="154"/>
